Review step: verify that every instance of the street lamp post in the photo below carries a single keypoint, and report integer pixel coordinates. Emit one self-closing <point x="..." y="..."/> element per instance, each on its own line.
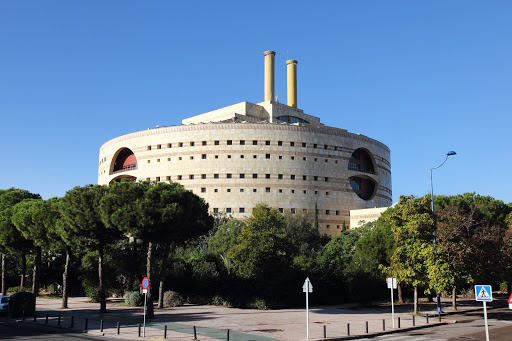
<point x="450" y="153"/>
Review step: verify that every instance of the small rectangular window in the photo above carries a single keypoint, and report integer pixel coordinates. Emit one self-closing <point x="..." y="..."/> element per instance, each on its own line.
<point x="327" y="212"/>
<point x="203" y="156"/>
<point x="157" y="178"/>
<point x="203" y="189"/>
<point x="267" y="189"/>
<point x="204" y="143"/>
<point x="242" y="142"/>
<point x="228" y="176"/>
<point x="254" y="143"/>
<point x="315" y="178"/>
<point x="216" y="156"/>
<point x="304" y="158"/>
<point x="280" y="191"/>
<point x="168" y="159"/>
<point x="326" y="146"/>
<point x="293" y="191"/>
<point x="337" y="212"/>
<point x="293" y="157"/>
<point x="215" y="190"/>
<point x="267" y="143"/>
<point x="280" y="176"/>
<point x="149" y="147"/>
<point x="180" y="158"/>
<point x="242" y="176"/>
<point x="267" y="156"/>
<point x="192" y="144"/>
<point x="292" y="210"/>
<point x="169" y="145"/>
<point x="254" y="190"/>
<point x="180" y="144"/>
<point x="267" y="176"/>
<point x="215" y="176"/>
<point x="305" y="191"/>
<point x="191" y="158"/>
<point x="255" y="176"/>
<point x="191" y="177"/>
<point x="229" y="156"/>
<point x="241" y="190"/>
<point x="328" y="226"/>
<point x="280" y="157"/>
<point x="228" y="210"/>
<point x="216" y="143"/>
<point x="179" y="177"/>
<point x="149" y="161"/>
<point x="228" y="190"/>
<point x="292" y="144"/>
<point x="326" y="179"/>
<point x="158" y="146"/>
<point x="326" y="193"/>
<point x="304" y="177"/>
<point x="215" y="210"/>
<point x="241" y="210"/>
<point x="292" y="177"/>
<point x="279" y="143"/>
<point x="304" y="144"/>
<point x="168" y="178"/>
<point x="157" y="160"/>
<point x="242" y="156"/>
<point x="314" y="145"/>
<point x="326" y="160"/>
<point x="230" y="142"/>
<point x="203" y="176"/>
<point x="316" y="159"/>
<point x="254" y="156"/>
<point x="281" y="210"/>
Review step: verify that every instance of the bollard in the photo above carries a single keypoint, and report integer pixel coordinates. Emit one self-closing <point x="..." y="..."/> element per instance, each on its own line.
<point x="139" y="329"/>
<point x="398" y="322"/>
<point x="118" y="328"/>
<point x="195" y="333"/>
<point x="427" y="317"/>
<point x="413" y="320"/>
<point x="46" y="319"/>
<point x="439" y="317"/>
<point x="325" y="331"/>
<point x="227" y="339"/>
<point x="72" y="322"/>
<point x="35" y="314"/>
<point x="86" y="323"/>
<point x="101" y="326"/>
<point x="366" y="327"/>
<point x="58" y="320"/>
<point x="348" y="329"/>
<point x="383" y="324"/>
<point x="165" y="332"/>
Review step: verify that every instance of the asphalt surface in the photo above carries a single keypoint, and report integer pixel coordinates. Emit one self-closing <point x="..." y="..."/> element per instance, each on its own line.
<point x="338" y="322"/>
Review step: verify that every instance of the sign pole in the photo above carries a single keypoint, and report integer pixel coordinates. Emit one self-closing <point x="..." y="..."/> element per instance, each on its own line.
<point x="144" y="328"/>
<point x="392" y="308"/>
<point x="486" y="325"/>
<point x="307" y="310"/>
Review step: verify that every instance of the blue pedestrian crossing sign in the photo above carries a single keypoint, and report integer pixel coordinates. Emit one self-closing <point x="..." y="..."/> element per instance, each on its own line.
<point x="483" y="293"/>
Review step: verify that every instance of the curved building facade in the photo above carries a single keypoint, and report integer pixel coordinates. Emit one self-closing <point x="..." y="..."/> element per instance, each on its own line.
<point x="245" y="154"/>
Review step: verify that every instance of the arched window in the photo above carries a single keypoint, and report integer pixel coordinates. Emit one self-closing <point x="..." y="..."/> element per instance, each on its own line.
<point x="125" y="161"/>
<point x="361" y="161"/>
<point x="363" y="187"/>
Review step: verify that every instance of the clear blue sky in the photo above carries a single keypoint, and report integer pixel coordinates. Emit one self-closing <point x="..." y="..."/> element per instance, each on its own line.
<point x="423" y="77"/>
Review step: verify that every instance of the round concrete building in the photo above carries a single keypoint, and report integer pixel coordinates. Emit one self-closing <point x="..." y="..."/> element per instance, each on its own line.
<point x="245" y="154"/>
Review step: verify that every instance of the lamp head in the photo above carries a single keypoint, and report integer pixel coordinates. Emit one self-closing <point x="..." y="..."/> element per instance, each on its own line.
<point x="450" y="153"/>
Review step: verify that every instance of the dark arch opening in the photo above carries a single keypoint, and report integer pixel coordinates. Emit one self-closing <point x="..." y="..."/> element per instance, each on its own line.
<point x="361" y="161"/>
<point x="363" y="187"/>
<point x="292" y="119"/>
<point x="122" y="177"/>
<point x="125" y="161"/>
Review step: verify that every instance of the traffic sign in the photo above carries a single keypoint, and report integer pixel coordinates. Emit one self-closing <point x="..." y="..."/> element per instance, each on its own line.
<point x="145" y="283"/>
<point x="483" y="293"/>
<point x="392" y="283"/>
<point x="307" y="287"/>
<point x="510" y="302"/>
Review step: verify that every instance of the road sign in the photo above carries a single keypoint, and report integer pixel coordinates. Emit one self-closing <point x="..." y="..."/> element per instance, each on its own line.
<point x="510" y="302"/>
<point x="307" y="287"/>
<point x="392" y="283"/>
<point x="483" y="293"/>
<point x="145" y="283"/>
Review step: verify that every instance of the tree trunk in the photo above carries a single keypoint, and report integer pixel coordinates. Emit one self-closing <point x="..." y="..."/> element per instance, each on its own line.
<point x="454" y="298"/>
<point x="23" y="268"/>
<point x="134" y="276"/>
<point x="162" y="276"/>
<point x="65" y="278"/>
<point x="4" y="286"/>
<point x="150" y="313"/>
<point x="400" y="297"/>
<point x="35" y="273"/>
<point x="415" y="300"/>
<point x="103" y="302"/>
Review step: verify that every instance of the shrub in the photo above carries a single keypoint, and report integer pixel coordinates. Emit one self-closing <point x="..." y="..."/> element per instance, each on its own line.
<point x="217" y="300"/>
<point x="19" y="288"/>
<point x="173" y="299"/>
<point x="117" y="292"/>
<point x="133" y="298"/>
<point x="93" y="293"/>
<point x="259" y="304"/>
<point x="54" y="289"/>
<point x="468" y="292"/>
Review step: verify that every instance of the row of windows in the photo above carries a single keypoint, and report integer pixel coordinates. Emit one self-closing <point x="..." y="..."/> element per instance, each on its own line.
<point x="281" y="210"/>
<point x="242" y="156"/>
<point x="242" y="176"/>
<point x="254" y="143"/>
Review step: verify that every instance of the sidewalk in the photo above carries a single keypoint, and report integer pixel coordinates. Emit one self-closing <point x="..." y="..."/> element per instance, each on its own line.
<point x="213" y="323"/>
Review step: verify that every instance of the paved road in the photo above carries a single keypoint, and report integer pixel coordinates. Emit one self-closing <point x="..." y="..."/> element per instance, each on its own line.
<point x="14" y="331"/>
<point x="469" y="326"/>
